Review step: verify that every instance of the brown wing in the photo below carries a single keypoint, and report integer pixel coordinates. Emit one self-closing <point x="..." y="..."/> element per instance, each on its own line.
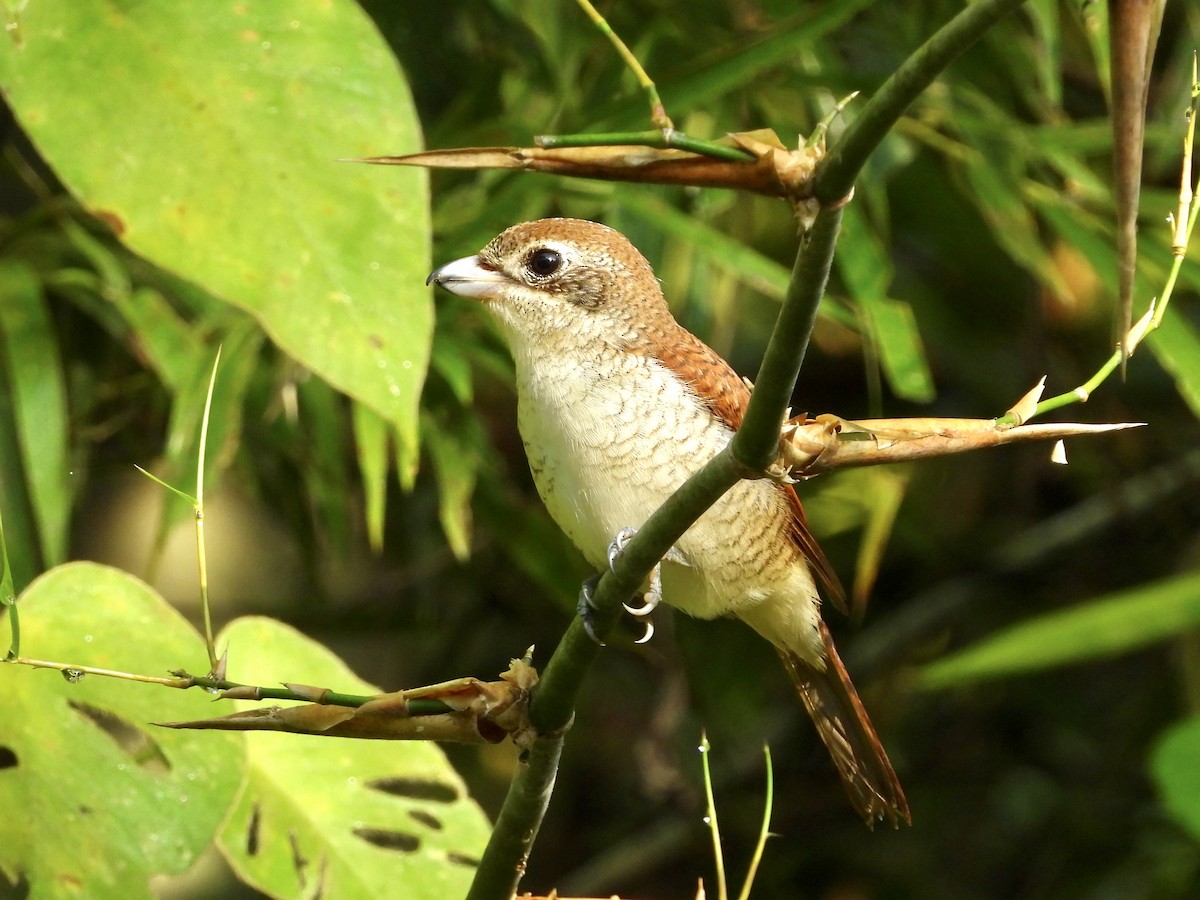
<point x="723" y="391"/>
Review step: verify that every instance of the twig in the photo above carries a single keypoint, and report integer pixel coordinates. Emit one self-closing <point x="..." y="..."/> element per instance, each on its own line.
<point x="710" y="819"/>
<point x="764" y="830"/>
<point x="658" y="114"/>
<point x="519" y="820"/>
<point x="1183" y="224"/>
<point x="201" y="558"/>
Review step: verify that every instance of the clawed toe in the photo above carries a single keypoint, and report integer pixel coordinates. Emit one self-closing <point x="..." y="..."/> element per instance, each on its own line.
<point x="587" y="609"/>
<point x="622" y="537"/>
<point x="650" y="599"/>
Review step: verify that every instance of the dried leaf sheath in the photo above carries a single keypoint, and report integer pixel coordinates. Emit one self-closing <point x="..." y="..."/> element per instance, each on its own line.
<point x="773" y="171"/>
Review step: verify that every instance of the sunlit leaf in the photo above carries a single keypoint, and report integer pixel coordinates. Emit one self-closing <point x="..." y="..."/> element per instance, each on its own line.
<point x="1100" y="628"/>
<point x="225" y="168"/>
<point x="335" y="816"/>
<point x="104" y="799"/>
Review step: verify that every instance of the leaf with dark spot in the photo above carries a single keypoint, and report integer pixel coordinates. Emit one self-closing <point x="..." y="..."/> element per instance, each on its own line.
<point x="415" y="789"/>
<point x="252" y="831"/>
<point x="133" y="740"/>
<point x="427" y="819"/>
<point x="389" y="840"/>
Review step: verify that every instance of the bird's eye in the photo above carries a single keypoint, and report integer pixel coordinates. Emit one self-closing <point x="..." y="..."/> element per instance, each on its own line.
<point x="544" y="262"/>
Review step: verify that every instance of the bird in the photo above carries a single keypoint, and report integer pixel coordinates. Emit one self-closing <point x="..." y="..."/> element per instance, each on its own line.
<point x="617" y="405"/>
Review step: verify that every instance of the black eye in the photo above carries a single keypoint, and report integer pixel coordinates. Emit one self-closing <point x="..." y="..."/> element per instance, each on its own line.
<point x="544" y="263"/>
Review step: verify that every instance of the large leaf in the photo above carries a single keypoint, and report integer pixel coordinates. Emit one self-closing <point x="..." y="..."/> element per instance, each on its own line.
<point x="337" y="817"/>
<point x="96" y="800"/>
<point x="1105" y="627"/>
<point x="208" y="138"/>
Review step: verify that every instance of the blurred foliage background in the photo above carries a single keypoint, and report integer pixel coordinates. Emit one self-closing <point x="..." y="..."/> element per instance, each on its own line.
<point x="977" y="257"/>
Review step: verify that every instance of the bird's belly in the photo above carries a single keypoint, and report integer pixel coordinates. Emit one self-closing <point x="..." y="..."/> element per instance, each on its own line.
<point x="605" y="458"/>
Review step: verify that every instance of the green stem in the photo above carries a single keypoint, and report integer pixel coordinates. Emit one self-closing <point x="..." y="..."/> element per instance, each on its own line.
<point x="504" y="860"/>
<point x="764" y="830"/>
<point x="756" y="444"/>
<point x="662" y="139"/>
<point x="713" y="828"/>
<point x="658" y="114"/>
<point x="553" y="702"/>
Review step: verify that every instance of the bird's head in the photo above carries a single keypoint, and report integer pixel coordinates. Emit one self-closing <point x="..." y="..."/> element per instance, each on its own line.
<point x="561" y="282"/>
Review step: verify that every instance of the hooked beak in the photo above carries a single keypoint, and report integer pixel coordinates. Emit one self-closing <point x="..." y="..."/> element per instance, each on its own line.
<point x="468" y="277"/>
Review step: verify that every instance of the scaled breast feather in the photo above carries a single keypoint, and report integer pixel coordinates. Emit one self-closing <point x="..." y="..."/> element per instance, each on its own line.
<point x="723" y="391"/>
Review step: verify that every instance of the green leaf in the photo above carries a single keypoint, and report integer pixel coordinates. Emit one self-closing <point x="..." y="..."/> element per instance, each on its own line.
<point x="226" y="170"/>
<point x="328" y="481"/>
<point x="21" y="544"/>
<point x="341" y="817"/>
<point x="1175" y="766"/>
<point x="371" y="441"/>
<point x="901" y="352"/>
<point x="97" y="800"/>
<point x="170" y="345"/>
<point x="1044" y="16"/>
<point x="39" y="403"/>
<point x="726" y="71"/>
<point x="865" y="267"/>
<point x="995" y="180"/>
<point x="1176" y="345"/>
<point x="456" y="467"/>
<point x="1108" y="626"/>
<point x="452" y="362"/>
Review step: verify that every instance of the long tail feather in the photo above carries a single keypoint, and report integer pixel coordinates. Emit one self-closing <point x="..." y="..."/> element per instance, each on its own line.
<point x="842" y="722"/>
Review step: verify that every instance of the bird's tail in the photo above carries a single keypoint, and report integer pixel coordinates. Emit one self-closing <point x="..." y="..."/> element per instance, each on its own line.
<point x="842" y="722"/>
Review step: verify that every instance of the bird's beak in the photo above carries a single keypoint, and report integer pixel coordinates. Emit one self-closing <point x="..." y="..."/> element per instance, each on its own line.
<point x="467" y="277"/>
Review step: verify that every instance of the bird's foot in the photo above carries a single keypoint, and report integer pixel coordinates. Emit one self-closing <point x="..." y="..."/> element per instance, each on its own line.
<point x="652" y="597"/>
<point x="587" y="609"/>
